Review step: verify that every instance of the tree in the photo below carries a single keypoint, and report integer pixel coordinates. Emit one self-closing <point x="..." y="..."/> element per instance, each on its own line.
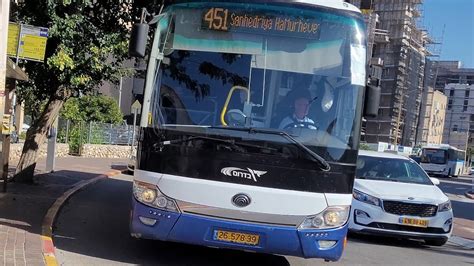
<point x="92" y="108"/>
<point x="87" y="44"/>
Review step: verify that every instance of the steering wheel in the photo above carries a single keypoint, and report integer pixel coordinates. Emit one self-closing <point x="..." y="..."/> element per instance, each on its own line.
<point x="307" y="125"/>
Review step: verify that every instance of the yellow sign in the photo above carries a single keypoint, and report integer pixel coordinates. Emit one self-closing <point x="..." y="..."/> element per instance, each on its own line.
<point x="13" y="34"/>
<point x="6" y="125"/>
<point x="28" y="41"/>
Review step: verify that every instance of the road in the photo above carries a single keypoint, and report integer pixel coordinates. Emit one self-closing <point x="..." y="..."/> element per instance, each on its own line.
<point x="92" y="229"/>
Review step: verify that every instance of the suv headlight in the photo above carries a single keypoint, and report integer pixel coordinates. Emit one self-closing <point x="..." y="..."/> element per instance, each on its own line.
<point x="331" y="217"/>
<point x="150" y="195"/>
<point x="366" y="198"/>
<point x="445" y="206"/>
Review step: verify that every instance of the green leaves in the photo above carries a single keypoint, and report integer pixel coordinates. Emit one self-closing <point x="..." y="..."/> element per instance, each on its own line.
<point x="61" y="60"/>
<point x="92" y="108"/>
<point x="87" y="44"/>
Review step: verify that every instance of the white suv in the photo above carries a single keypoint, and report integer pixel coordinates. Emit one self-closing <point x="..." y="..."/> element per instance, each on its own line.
<point x="393" y="196"/>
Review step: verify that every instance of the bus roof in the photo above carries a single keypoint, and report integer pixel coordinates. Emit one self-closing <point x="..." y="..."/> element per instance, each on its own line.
<point x="336" y="4"/>
<point x="440" y="146"/>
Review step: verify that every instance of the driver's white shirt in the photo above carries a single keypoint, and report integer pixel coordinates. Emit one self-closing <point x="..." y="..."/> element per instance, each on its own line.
<point x="289" y="120"/>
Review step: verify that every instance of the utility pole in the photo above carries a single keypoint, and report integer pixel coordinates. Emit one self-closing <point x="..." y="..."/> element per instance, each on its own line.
<point x="4" y="18"/>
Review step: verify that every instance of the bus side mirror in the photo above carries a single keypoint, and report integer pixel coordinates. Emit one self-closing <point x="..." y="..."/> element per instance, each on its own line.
<point x="138" y="40"/>
<point x="372" y="101"/>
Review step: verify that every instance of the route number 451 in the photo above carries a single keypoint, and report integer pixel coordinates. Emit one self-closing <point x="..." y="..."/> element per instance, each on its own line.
<point x="216" y="19"/>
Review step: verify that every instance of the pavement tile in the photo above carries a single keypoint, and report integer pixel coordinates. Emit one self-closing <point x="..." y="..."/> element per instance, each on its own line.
<point x="24" y="206"/>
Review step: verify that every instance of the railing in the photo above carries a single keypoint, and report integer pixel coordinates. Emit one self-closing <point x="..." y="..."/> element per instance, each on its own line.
<point x="78" y="133"/>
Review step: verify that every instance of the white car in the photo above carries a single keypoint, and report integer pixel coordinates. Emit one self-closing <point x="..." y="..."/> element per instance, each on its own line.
<point x="393" y="196"/>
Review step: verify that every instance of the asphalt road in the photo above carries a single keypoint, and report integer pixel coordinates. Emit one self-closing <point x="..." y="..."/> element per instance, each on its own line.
<point x="92" y="229"/>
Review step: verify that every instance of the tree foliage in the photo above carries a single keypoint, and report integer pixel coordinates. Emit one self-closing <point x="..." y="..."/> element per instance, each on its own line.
<point x="86" y="46"/>
<point x="92" y="108"/>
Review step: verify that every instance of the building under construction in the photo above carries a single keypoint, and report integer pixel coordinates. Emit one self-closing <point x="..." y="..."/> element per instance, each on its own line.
<point x="399" y="44"/>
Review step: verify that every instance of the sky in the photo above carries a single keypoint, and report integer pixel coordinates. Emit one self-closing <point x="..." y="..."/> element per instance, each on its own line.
<point x="458" y="16"/>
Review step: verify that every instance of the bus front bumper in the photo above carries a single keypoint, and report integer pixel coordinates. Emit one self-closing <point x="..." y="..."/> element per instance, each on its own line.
<point x="150" y="223"/>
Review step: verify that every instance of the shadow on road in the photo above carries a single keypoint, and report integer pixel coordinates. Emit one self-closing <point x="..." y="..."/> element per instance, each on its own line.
<point x="95" y="224"/>
<point x="409" y="244"/>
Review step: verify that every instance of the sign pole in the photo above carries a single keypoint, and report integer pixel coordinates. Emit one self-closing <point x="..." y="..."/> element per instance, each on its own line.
<point x="136" y="109"/>
<point x="51" y="150"/>
<point x="133" y="131"/>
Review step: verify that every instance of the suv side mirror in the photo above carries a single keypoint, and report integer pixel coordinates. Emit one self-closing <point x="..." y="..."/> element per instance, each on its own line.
<point x="372" y="101"/>
<point x="138" y="40"/>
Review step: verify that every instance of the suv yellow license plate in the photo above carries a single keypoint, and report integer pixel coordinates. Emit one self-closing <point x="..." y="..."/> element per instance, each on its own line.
<point x="235" y="237"/>
<point x="414" y="222"/>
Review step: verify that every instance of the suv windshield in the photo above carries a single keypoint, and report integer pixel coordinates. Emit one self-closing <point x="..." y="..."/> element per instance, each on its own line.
<point x="388" y="169"/>
<point x="299" y="71"/>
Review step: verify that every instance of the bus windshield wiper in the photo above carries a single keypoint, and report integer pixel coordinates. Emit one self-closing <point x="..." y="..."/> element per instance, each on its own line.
<point x="230" y="142"/>
<point x="323" y="164"/>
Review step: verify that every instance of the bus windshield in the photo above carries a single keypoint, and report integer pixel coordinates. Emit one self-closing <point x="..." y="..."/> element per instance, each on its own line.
<point x="254" y="66"/>
<point x="435" y="156"/>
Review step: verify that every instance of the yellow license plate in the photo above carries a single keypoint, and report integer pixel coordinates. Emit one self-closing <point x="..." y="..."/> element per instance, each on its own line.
<point x="235" y="237"/>
<point x="414" y="222"/>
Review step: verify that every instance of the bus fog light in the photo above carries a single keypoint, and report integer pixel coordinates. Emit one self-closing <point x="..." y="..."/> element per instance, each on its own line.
<point x="318" y="222"/>
<point x="161" y="202"/>
<point x="147" y="221"/>
<point x="326" y="244"/>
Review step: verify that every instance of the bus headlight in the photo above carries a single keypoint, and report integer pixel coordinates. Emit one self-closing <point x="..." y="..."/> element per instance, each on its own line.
<point x="150" y="195"/>
<point x="445" y="206"/>
<point x="331" y="217"/>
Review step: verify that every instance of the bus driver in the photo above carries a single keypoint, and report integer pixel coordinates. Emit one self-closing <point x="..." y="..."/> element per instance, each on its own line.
<point x="301" y="104"/>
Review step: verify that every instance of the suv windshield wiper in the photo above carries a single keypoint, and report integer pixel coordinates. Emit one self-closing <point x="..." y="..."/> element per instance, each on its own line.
<point x="230" y="142"/>
<point x="323" y="164"/>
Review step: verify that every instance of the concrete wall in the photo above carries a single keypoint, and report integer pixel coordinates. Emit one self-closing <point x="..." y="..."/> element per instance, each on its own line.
<point x="62" y="150"/>
<point x="89" y="150"/>
<point x="105" y="151"/>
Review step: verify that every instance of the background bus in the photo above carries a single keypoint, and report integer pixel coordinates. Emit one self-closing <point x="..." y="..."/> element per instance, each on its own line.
<point x="442" y="160"/>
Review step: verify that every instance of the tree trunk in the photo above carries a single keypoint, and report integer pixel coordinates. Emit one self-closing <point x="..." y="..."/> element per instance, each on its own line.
<point x="36" y="136"/>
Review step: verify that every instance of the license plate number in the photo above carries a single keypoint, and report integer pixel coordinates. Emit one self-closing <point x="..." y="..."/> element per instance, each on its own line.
<point x="236" y="237"/>
<point x="414" y="222"/>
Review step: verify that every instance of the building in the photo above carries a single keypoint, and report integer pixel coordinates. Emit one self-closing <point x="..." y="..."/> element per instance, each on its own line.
<point x="400" y="46"/>
<point x="432" y="117"/>
<point x="457" y="83"/>
<point x="459" y="114"/>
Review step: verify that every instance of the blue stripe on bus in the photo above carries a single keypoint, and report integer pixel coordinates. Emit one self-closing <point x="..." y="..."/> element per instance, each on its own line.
<point x="200" y="230"/>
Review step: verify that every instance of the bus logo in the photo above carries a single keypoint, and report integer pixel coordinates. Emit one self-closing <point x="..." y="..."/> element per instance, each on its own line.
<point x="243" y="173"/>
<point x="241" y="200"/>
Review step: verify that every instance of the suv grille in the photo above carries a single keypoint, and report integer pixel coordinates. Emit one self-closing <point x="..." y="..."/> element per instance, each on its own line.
<point x="414" y="209"/>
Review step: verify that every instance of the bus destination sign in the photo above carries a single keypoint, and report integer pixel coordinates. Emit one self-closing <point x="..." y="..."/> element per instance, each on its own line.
<point x="221" y="19"/>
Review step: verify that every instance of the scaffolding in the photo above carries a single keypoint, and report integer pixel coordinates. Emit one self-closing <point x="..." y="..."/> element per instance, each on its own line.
<point x="400" y="43"/>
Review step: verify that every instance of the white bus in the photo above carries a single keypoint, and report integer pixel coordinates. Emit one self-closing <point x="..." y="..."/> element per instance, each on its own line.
<point x="442" y="160"/>
<point x="251" y="125"/>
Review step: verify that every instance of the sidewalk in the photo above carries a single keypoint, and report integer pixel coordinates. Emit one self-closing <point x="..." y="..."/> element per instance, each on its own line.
<point x="23" y="207"/>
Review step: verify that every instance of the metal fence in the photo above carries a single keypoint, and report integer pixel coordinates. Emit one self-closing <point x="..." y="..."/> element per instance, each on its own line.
<point x="95" y="133"/>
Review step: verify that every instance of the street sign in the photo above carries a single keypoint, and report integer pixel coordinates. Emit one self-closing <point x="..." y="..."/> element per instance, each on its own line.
<point x="27" y="42"/>
<point x="6" y="124"/>
<point x="136" y="107"/>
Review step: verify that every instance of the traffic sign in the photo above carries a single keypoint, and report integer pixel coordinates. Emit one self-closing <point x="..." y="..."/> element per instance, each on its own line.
<point x="136" y="107"/>
<point x="27" y="42"/>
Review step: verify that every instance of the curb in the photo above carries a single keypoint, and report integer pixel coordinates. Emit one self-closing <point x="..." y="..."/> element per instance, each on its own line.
<point x="48" y="248"/>
<point x="469" y="194"/>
